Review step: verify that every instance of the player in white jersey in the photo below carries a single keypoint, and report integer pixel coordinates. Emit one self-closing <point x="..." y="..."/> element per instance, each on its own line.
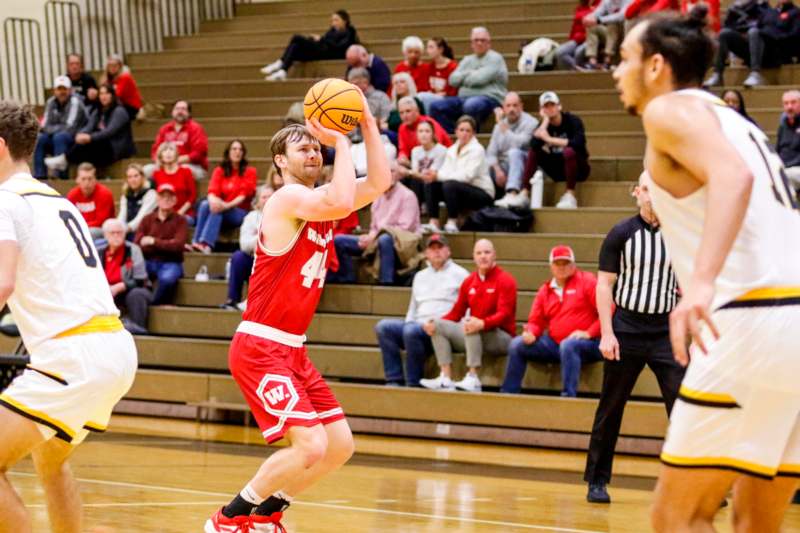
<point x="731" y="225"/>
<point x="81" y="359"/>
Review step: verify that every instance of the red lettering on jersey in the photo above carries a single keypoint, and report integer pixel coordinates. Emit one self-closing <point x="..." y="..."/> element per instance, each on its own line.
<point x="285" y="289"/>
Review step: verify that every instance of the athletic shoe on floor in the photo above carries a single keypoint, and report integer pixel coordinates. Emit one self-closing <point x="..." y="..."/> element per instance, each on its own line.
<point x="598" y="493"/>
<point x="470" y="383"/>
<point x="440" y="383"/>
<point x="219" y="523"/>
<point x="267" y="524"/>
<point x="568" y="201"/>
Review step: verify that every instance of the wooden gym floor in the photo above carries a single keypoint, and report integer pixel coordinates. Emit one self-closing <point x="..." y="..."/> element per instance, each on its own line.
<point x="166" y="476"/>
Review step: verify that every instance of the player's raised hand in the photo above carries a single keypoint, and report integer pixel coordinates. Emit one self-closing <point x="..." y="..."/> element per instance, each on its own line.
<point x="325" y="135"/>
<point x="367" y="118"/>
<point x="687" y="319"/>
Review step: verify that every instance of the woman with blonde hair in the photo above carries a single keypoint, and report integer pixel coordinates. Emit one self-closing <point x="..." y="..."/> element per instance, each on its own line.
<point x="402" y="85"/>
<point x="179" y="176"/>
<point x="138" y="199"/>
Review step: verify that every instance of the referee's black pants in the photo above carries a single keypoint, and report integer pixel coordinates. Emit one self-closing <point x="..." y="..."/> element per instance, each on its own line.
<point x="619" y="378"/>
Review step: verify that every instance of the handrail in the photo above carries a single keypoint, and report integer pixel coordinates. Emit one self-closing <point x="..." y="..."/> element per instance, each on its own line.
<point x="95" y="29"/>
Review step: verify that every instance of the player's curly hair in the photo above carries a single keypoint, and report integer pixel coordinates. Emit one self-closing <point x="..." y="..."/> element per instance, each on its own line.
<point x="19" y="128"/>
<point x="683" y="42"/>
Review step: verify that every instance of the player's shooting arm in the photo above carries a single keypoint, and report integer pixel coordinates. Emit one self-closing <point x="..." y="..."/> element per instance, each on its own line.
<point x="687" y="131"/>
<point x="379" y="176"/>
<point x="9" y="255"/>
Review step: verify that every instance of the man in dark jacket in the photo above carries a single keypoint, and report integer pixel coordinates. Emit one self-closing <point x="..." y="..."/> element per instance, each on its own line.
<point x="379" y="73"/>
<point x="558" y="149"/>
<point x="126" y="273"/>
<point x="760" y="35"/>
<point x="788" y="144"/>
<point x="64" y="115"/>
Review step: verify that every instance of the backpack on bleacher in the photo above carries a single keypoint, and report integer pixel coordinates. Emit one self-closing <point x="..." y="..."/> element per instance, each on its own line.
<point x="500" y="219"/>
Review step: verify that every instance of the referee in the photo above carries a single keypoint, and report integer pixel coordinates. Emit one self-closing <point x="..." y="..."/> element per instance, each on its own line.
<point x="635" y="275"/>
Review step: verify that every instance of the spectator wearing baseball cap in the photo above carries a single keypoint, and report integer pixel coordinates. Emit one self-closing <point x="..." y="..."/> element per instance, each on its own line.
<point x="162" y="235"/>
<point x="558" y="149"/>
<point x="64" y="116"/>
<point x="481" y="321"/>
<point x="433" y="292"/>
<point x="565" y="309"/>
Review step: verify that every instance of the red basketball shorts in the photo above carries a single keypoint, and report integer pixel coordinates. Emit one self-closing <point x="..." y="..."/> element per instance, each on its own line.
<point x="281" y="385"/>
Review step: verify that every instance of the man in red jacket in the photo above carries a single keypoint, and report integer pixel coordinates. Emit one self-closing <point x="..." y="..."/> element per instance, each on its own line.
<point x="188" y="135"/>
<point x="93" y="200"/>
<point x="490" y="296"/>
<point x="563" y="326"/>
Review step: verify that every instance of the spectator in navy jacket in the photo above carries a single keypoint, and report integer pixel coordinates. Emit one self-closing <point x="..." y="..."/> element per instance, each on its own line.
<point x="788" y="144"/>
<point x="490" y="296"/>
<point x="331" y="45"/>
<point x="379" y="73"/>
<point x="563" y="326"/>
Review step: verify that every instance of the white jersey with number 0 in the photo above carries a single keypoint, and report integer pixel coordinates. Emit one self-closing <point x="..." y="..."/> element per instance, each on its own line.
<point x="766" y="253"/>
<point x="60" y="281"/>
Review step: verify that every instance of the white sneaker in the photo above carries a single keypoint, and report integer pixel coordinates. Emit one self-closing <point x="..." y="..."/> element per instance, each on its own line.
<point x="440" y="383"/>
<point x="272" y="67"/>
<point x="430" y="228"/>
<point x="58" y="162"/>
<point x="450" y="227"/>
<point x="506" y="200"/>
<point x="568" y="201"/>
<point x="279" y="75"/>
<point x="242" y="306"/>
<point x="470" y="383"/>
<point x="519" y="200"/>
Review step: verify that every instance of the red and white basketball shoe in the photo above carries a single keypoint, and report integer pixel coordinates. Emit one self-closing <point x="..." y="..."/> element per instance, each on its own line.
<point x="219" y="523"/>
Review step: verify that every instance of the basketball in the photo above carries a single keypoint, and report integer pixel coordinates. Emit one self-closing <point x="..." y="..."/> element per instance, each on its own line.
<point x="336" y="103"/>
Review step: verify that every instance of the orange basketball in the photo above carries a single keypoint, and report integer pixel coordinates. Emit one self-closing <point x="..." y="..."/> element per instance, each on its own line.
<point x="336" y="103"/>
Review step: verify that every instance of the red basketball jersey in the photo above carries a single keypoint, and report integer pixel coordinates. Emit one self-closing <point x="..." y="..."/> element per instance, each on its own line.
<point x="285" y="288"/>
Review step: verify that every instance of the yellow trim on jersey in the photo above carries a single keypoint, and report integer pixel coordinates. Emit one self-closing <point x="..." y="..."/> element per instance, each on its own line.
<point x="719" y="462"/>
<point x="91" y="426"/>
<point x="38" y="416"/>
<point x="770" y="293"/>
<point x="707" y="397"/>
<point x="98" y="324"/>
<point x="787" y="469"/>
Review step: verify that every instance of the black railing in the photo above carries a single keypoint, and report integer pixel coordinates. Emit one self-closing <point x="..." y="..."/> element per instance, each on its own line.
<point x="95" y="29"/>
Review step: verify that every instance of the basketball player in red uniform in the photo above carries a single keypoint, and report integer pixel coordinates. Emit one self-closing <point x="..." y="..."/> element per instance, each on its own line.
<point x="267" y="358"/>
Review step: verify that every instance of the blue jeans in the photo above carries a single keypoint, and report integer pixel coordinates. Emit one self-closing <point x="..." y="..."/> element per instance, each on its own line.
<point x="447" y="110"/>
<point x="395" y="335"/>
<point x="167" y="275"/>
<point x="56" y="144"/>
<point x="347" y="247"/>
<point x="514" y="166"/>
<point x="571" y="353"/>
<point x="241" y="268"/>
<point x="209" y="224"/>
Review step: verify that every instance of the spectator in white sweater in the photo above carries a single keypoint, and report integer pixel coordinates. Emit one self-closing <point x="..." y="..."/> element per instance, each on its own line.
<point x="138" y="199"/>
<point x="242" y="259"/>
<point x="508" y="150"/>
<point x="463" y="181"/>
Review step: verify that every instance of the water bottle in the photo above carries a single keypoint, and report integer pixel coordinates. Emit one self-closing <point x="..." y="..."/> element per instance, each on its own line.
<point x="228" y="270"/>
<point x="537" y="189"/>
<point x="202" y="274"/>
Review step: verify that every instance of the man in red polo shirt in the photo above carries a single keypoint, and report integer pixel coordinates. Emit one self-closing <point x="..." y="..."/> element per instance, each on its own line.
<point x="563" y="326"/>
<point x="94" y="200"/>
<point x="490" y="296"/>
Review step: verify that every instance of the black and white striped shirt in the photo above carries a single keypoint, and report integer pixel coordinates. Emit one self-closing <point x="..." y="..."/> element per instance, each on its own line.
<point x="646" y="289"/>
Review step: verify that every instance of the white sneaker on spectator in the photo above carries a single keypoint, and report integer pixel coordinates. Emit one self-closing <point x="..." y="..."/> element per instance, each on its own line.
<point x="514" y="199"/>
<point x="242" y="306"/>
<point x="470" y="383"/>
<point x="58" y="162"/>
<point x="568" y="201"/>
<point x="506" y="200"/>
<point x="430" y="228"/>
<point x="450" y="227"/>
<point x="279" y="75"/>
<point x="272" y="67"/>
<point x="440" y="383"/>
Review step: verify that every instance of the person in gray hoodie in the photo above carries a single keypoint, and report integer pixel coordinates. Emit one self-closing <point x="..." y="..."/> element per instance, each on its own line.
<point x="606" y="24"/>
<point x="64" y="115"/>
<point x="482" y="80"/>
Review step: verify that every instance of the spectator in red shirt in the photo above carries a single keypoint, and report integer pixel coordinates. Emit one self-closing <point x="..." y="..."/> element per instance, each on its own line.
<point x="118" y="75"/>
<point x="407" y="134"/>
<point x="490" y="296"/>
<point x="442" y="64"/>
<point x="179" y="176"/>
<point x="563" y="326"/>
<point x="93" y="200"/>
<point x="572" y="53"/>
<point x="230" y="193"/>
<point x="188" y="136"/>
<point x="412" y="54"/>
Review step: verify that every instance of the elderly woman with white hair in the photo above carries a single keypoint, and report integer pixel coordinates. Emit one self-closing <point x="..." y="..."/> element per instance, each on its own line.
<point x="403" y="85"/>
<point x="124" y="266"/>
<point x="413" y="64"/>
